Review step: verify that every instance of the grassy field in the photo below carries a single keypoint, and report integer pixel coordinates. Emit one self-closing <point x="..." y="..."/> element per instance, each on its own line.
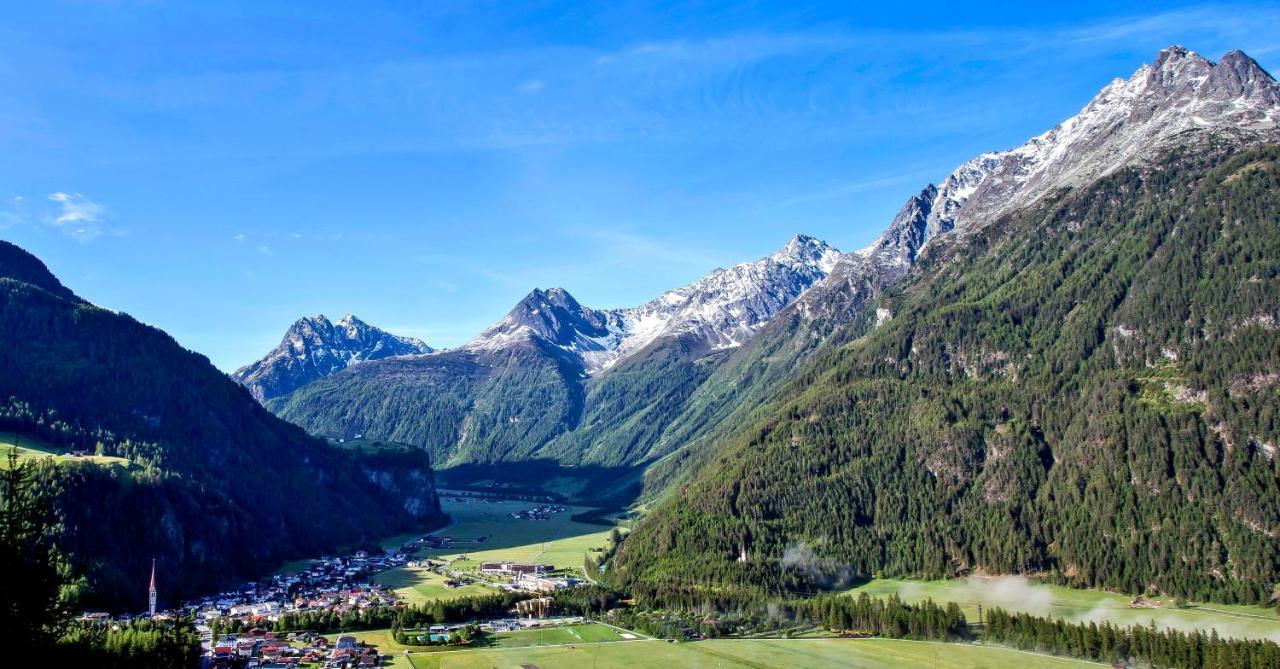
<point x="415" y="585"/>
<point x="558" y="541"/>
<point x="749" y="654"/>
<point x="30" y="450"/>
<point x="569" y="634"/>
<point x="1017" y="594"/>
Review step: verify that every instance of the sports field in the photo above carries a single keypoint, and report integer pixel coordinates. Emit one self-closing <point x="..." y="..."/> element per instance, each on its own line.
<point x="748" y="654"/>
<point x="1018" y="594"/>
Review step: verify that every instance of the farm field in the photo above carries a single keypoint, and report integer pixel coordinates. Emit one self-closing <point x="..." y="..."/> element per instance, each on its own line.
<point x="749" y="654"/>
<point x="1018" y="594"/>
<point x="558" y="540"/>
<point x="415" y="585"/>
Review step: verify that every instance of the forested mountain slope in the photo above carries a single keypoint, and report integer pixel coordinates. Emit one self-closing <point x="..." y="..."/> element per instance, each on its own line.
<point x="219" y="489"/>
<point x="1086" y="388"/>
<point x="1181" y="99"/>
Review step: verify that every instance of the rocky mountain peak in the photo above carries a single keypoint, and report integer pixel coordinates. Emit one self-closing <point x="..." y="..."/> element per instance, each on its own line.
<point x="805" y="251"/>
<point x="552" y="315"/>
<point x="314" y="347"/>
<point x="1180" y="98"/>
<point x="720" y="310"/>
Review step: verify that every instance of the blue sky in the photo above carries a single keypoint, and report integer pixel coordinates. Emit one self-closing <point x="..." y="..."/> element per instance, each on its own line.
<point x="219" y="169"/>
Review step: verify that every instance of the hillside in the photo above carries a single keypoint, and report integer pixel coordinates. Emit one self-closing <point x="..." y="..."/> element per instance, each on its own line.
<point x="221" y="490"/>
<point x="1084" y="388"/>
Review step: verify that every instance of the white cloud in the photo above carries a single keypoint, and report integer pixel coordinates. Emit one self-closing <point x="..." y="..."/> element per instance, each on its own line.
<point x="239" y="237"/>
<point x="264" y="250"/>
<point x="532" y="86"/>
<point x="77" y="216"/>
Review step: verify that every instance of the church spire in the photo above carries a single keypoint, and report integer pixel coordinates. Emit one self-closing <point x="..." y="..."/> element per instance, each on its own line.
<point x="151" y="593"/>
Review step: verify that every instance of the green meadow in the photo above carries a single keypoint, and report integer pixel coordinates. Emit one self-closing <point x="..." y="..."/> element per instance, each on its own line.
<point x="747" y="654"/>
<point x="1076" y="605"/>
<point x="415" y="585"/>
<point x="484" y="531"/>
<point x="29" y="450"/>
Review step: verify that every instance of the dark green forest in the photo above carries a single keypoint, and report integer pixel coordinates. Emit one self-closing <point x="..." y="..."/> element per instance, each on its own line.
<point x="1086" y="390"/>
<point x="215" y="472"/>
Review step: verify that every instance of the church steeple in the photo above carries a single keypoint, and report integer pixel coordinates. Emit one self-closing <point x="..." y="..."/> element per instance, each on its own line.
<point x="151" y="593"/>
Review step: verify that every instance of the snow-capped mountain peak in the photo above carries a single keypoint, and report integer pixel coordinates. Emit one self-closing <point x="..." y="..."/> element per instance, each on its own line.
<point x="314" y="347"/>
<point x="1180" y="98"/>
<point x="721" y="310"/>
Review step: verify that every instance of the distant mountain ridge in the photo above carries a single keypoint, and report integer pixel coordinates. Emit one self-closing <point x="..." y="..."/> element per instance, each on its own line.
<point x="722" y="309"/>
<point x="522" y="387"/>
<point x="315" y="347"/>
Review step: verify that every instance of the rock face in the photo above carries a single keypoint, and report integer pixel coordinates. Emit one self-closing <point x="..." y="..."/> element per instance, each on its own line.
<point x="721" y="310"/>
<point x="316" y="347"/>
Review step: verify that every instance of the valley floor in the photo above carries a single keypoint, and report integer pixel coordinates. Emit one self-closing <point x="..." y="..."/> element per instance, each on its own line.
<point x="484" y="530"/>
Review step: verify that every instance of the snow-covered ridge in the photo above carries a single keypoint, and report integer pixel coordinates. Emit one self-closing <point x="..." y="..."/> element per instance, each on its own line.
<point x="314" y="347"/>
<point x="722" y="309"/>
<point x="1179" y="99"/>
<point x="1130" y="121"/>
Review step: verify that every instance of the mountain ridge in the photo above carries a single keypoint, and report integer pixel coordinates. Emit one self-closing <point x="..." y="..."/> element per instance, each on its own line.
<point x="210" y="471"/>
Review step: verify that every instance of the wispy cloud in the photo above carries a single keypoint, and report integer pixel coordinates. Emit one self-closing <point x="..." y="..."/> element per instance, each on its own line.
<point x="77" y="216"/>
<point x="13" y="214"/>
<point x="845" y="189"/>
<point x="622" y="246"/>
<point x="532" y="86"/>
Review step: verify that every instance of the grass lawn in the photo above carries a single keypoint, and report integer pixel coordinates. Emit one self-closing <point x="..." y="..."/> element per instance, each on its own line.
<point x="415" y="585"/>
<point x="558" y="541"/>
<point x="750" y="654"/>
<point x="1017" y="594"/>
<point x="32" y="450"/>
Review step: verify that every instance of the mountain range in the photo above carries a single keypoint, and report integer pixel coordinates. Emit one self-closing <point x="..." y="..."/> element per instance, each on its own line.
<point x="1059" y="360"/>
<point x="639" y="389"/>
